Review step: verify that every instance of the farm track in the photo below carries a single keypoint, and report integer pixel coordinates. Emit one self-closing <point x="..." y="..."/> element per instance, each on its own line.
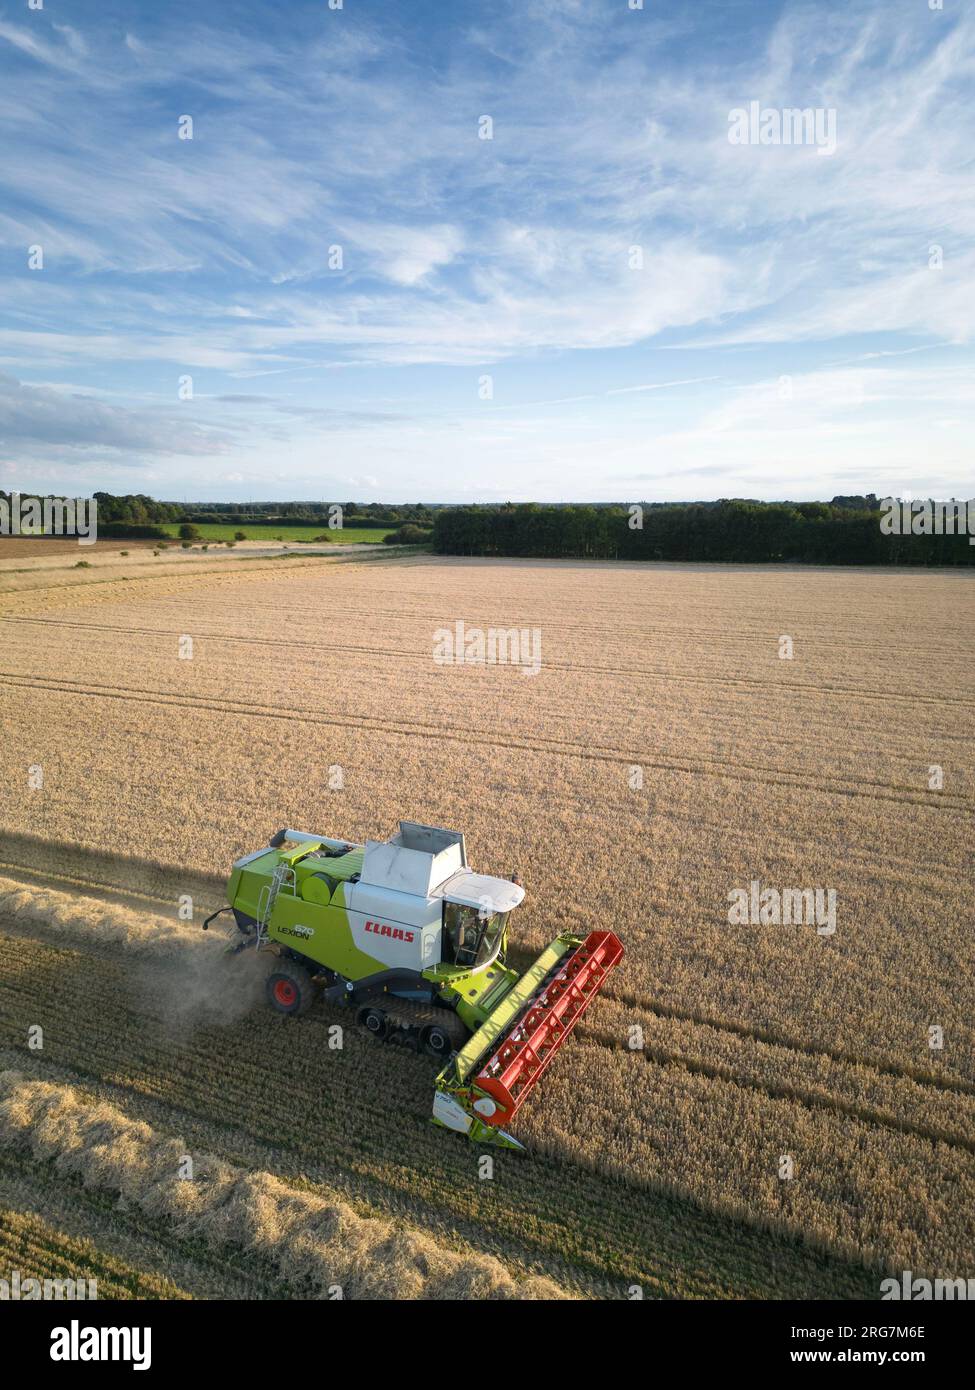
<point x="173" y="577"/>
<point x="303" y="717"/>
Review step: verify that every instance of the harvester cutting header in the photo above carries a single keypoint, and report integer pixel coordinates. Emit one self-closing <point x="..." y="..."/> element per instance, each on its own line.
<point x="405" y="934"/>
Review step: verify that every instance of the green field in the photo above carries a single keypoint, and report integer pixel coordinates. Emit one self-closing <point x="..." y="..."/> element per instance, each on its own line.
<point x="349" y="534"/>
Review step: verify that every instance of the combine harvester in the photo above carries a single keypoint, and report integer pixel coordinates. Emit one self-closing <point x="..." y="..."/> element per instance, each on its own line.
<point x="404" y="933"/>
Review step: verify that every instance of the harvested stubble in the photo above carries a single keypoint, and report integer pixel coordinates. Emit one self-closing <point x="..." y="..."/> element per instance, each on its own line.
<point x="311" y="1241"/>
<point x="273" y="1095"/>
<point x="128" y="1240"/>
<point x="38" y="1251"/>
<point x="62" y="917"/>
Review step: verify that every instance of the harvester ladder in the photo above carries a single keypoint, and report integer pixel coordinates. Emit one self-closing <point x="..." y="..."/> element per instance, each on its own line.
<point x="283" y="876"/>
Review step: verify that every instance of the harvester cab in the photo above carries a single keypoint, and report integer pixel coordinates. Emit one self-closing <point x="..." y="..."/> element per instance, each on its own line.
<point x="406" y="935"/>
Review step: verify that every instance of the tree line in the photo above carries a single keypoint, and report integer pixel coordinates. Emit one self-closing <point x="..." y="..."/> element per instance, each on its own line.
<point x="849" y="530"/>
<point x="361" y="514"/>
<point x="135" y="515"/>
<point x="845" y="531"/>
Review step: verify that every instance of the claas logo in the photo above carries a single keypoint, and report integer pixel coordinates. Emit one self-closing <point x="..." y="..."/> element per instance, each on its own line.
<point x="397" y="933"/>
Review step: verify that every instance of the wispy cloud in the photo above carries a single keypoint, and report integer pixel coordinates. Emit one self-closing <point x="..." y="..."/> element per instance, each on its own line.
<point x="608" y="216"/>
<point x="44" y="418"/>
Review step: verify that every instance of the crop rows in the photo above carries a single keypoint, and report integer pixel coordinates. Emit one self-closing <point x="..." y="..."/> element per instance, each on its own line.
<point x="323" y="1112"/>
<point x="757" y="1040"/>
<point x="871" y="990"/>
<point x="37" y="1251"/>
<point x="311" y="1241"/>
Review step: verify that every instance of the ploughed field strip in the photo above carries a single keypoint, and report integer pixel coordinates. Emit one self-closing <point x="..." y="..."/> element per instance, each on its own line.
<point x="757" y="1040"/>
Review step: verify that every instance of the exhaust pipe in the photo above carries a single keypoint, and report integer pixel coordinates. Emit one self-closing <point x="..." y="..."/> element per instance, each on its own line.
<point x="301" y="837"/>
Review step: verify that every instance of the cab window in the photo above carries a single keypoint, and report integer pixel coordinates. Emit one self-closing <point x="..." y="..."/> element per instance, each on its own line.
<point x="471" y="937"/>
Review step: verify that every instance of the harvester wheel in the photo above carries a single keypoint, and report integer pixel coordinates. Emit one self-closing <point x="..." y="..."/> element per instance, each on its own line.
<point x="437" y="1041"/>
<point x="375" y="1022"/>
<point x="289" y="988"/>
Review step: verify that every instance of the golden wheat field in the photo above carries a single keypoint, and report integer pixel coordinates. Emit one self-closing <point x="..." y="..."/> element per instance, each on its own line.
<point x="750" y="1108"/>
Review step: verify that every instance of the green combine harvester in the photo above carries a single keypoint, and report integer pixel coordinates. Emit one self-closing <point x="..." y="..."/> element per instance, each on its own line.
<point x="403" y="933"/>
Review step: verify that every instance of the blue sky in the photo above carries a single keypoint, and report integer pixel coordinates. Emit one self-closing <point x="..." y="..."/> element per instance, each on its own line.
<point x="786" y="335"/>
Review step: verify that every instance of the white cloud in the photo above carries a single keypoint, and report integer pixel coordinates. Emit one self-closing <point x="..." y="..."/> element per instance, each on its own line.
<point x="404" y="254"/>
<point x="34" y="418"/>
<point x="210" y="256"/>
<point x="73" y="39"/>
